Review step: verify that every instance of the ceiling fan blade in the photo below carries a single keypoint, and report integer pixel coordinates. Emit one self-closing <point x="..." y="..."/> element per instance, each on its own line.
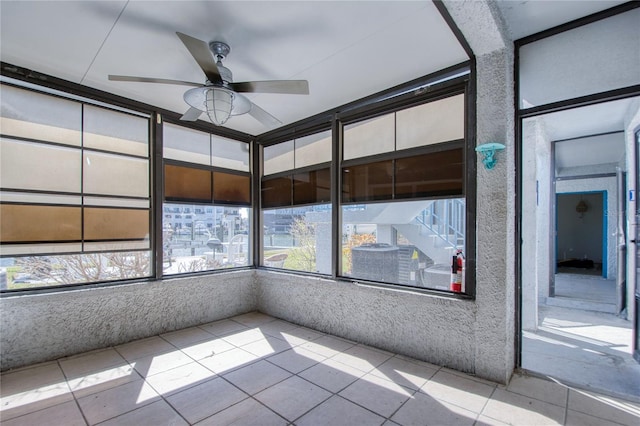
<point x="293" y="87"/>
<point x="201" y="53"/>
<point x="192" y="114"/>
<point x="263" y="116"/>
<point x="151" y="80"/>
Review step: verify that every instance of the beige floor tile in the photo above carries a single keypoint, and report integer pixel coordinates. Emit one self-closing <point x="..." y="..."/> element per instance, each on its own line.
<point x="276" y="328"/>
<point x="404" y="373"/>
<point x="253" y="319"/>
<point x="362" y="357"/>
<point x="154" y="414"/>
<point x="180" y="378"/>
<point x="257" y="376"/>
<point x="31" y="389"/>
<point x="246" y="413"/>
<point x="244" y="337"/>
<point x="328" y="346"/>
<point x="488" y="421"/>
<point x="338" y="411"/>
<point x="91" y="362"/>
<point x="612" y="409"/>
<point x="113" y="402"/>
<point x="332" y="375"/>
<point x="544" y="390"/>
<point x="512" y="408"/>
<point x="108" y="378"/>
<point x="378" y="395"/>
<point x="223" y="327"/>
<point x="267" y="346"/>
<point x="154" y="364"/>
<point x="206" y="399"/>
<point x="293" y="397"/>
<point x="300" y="336"/>
<point x="186" y="337"/>
<point x="207" y="348"/>
<point x="458" y="390"/>
<point x="576" y="418"/>
<point x="296" y="360"/>
<point x="67" y="414"/>
<point x="145" y="347"/>
<point x="228" y="361"/>
<point x="422" y="409"/>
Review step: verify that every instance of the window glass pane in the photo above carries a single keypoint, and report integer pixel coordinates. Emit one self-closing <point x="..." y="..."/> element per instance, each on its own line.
<point x="313" y="149"/>
<point x="276" y="192"/>
<point x="375" y="136"/>
<point x="409" y="243"/>
<point x="298" y="238"/>
<point x="28" y="223"/>
<point x="312" y="187"/>
<point x="204" y="237"/>
<point x="111" y="174"/>
<point x="40" y="167"/>
<point x="278" y="158"/>
<point x="36" y="249"/>
<point x="434" y="174"/>
<point x="590" y="59"/>
<point x="187" y="184"/>
<point x="61" y="269"/>
<point x="115" y="224"/>
<point x="184" y="144"/>
<point x="229" y="154"/>
<point x="34" y="115"/>
<point x="367" y="182"/>
<point x="115" y="131"/>
<point x="231" y="188"/>
<point x="36" y="198"/>
<point x="438" y="121"/>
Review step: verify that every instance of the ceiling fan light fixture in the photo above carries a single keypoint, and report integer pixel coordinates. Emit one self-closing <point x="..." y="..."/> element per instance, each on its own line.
<point x="219" y="104"/>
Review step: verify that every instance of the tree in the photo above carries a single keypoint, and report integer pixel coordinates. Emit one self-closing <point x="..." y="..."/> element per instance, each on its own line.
<point x="303" y="256"/>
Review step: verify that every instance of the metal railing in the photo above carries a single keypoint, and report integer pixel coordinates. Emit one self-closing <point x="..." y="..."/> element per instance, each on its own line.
<point x="446" y="220"/>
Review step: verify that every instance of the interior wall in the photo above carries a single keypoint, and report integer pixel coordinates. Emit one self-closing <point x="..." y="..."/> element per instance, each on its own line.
<point x="580" y="234"/>
<point x="536" y="219"/>
<point x="43" y="327"/>
<point x="430" y="328"/>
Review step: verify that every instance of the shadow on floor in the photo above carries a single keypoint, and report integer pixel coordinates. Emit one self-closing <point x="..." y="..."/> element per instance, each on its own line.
<point x="581" y="346"/>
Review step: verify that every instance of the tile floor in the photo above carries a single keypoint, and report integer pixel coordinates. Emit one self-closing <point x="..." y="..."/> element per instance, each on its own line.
<point x="257" y="370"/>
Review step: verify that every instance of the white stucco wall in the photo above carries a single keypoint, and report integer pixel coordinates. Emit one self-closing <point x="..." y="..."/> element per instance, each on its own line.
<point x="436" y="329"/>
<point x="42" y="327"/>
<point x="536" y="219"/>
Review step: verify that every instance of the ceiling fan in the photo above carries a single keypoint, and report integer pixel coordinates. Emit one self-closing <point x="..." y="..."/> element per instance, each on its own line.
<point x="219" y="97"/>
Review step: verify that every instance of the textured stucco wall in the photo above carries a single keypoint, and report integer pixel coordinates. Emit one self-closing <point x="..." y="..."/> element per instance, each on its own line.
<point x="495" y="329"/>
<point x="435" y="329"/>
<point x="43" y="327"/>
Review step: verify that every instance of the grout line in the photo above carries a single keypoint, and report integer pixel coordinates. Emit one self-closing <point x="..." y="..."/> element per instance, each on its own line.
<point x="75" y="399"/>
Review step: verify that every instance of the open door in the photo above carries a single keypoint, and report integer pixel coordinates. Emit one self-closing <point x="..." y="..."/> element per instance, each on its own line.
<point x="636" y="243"/>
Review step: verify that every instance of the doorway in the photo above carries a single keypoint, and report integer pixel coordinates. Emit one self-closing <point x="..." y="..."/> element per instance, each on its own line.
<point x="572" y="215"/>
<point x="581" y="245"/>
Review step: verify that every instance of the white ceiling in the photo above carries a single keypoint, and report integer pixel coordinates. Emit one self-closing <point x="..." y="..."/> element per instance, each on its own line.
<point x="345" y="49"/>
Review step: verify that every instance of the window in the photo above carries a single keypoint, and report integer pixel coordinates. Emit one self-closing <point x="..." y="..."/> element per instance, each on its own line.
<point x="205" y="177"/>
<point x="402" y="197"/>
<point x="296" y="209"/>
<point x="75" y="204"/>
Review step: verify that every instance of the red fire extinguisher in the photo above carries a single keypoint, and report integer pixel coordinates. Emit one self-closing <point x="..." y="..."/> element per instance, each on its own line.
<point x="457" y="269"/>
